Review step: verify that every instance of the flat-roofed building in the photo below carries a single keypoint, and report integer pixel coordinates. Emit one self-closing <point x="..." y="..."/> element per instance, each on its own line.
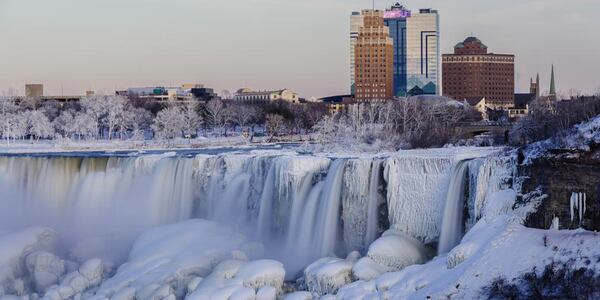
<point x="34" y="90"/>
<point x="247" y="94"/>
<point x="473" y="72"/>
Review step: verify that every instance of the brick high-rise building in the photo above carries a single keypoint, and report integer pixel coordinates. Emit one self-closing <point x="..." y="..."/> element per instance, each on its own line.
<point x="373" y="59"/>
<point x="356" y="22"/>
<point x="472" y="72"/>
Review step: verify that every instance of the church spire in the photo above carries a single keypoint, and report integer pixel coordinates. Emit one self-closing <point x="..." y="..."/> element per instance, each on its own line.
<point x="552" y="83"/>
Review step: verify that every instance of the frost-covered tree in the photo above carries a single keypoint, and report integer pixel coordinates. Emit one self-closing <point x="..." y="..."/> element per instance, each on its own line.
<point x="217" y="114"/>
<point x="51" y="108"/>
<point x="192" y="119"/>
<point x="95" y="110"/>
<point x="275" y="124"/>
<point x="84" y="126"/>
<point x="136" y="121"/>
<point x="63" y="124"/>
<point x="38" y="125"/>
<point x="243" y="115"/>
<point x="169" y="123"/>
<point x="8" y="109"/>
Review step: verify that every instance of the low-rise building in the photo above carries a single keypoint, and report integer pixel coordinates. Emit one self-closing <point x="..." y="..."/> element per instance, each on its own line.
<point x="185" y="92"/>
<point x="34" y="90"/>
<point x="247" y="94"/>
<point x="338" y="103"/>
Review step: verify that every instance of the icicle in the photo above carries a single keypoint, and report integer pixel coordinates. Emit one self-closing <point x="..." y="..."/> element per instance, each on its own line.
<point x="584" y="203"/>
<point x="580" y="207"/>
<point x="572" y="204"/>
<point x="555" y="223"/>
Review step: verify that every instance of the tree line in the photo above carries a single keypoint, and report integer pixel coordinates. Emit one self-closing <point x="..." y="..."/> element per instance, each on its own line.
<point x="112" y="117"/>
<point x="414" y="122"/>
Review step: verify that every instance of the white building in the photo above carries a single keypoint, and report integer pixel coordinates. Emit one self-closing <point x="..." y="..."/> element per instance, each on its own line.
<point x="160" y="93"/>
<point x="250" y="95"/>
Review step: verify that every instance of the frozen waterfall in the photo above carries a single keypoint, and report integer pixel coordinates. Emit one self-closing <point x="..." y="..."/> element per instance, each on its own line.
<point x="453" y="221"/>
<point x="300" y="207"/>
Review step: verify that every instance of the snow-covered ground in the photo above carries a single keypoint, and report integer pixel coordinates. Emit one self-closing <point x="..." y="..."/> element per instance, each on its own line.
<point x="56" y="146"/>
<point x="578" y="138"/>
<point x="270" y="224"/>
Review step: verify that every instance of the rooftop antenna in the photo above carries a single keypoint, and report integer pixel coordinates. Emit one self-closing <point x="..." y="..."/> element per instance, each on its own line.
<point x="373" y="4"/>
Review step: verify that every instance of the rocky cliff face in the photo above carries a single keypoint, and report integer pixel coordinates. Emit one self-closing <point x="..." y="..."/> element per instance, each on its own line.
<point x="559" y="175"/>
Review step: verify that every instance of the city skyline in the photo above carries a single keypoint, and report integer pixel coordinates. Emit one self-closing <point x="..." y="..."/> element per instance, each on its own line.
<point x="107" y="45"/>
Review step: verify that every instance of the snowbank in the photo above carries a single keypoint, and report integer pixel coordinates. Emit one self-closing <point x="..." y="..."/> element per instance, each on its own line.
<point x="23" y="258"/>
<point x="172" y="255"/>
<point x="327" y="275"/>
<point x="578" y="138"/>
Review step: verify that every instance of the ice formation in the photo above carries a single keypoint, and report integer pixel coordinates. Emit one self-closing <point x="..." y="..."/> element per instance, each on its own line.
<point x="578" y="206"/>
<point x="198" y="225"/>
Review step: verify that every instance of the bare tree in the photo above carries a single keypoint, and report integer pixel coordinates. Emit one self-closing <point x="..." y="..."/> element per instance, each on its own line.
<point x="169" y="123"/>
<point x="217" y="114"/>
<point x="191" y="118"/>
<point x="274" y="124"/>
<point x="242" y="115"/>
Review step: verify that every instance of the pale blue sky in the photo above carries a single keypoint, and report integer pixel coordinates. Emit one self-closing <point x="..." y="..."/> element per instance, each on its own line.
<point x="264" y="44"/>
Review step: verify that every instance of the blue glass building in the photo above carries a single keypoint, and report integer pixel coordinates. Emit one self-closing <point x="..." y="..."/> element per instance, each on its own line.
<point x="395" y="20"/>
<point x="416" y="50"/>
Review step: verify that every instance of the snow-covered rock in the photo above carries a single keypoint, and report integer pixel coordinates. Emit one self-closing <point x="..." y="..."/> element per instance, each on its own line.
<point x="395" y="251"/>
<point x="169" y="254"/>
<point x="256" y="274"/>
<point x="266" y="293"/>
<point x="45" y="268"/>
<point x="299" y="296"/>
<point x="327" y="275"/>
<point x="367" y="269"/>
<point x="241" y="280"/>
<point x="15" y="247"/>
<point x="89" y="275"/>
<point x="358" y="290"/>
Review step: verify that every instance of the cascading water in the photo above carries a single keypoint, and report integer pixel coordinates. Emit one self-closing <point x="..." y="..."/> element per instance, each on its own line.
<point x="328" y="220"/>
<point x="301" y="207"/>
<point x="452" y="225"/>
<point x="374" y="200"/>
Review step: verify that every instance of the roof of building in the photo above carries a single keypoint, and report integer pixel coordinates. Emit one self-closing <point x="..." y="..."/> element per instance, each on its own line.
<point x="474" y="100"/>
<point x="522" y="100"/>
<point x="250" y="92"/>
<point x="468" y="40"/>
<point x="335" y="99"/>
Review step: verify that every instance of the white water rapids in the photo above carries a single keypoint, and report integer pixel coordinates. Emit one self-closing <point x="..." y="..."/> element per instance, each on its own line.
<point x="300" y="207"/>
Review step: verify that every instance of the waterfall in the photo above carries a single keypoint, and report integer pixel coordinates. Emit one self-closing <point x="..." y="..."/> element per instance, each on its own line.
<point x="301" y="207"/>
<point x="266" y="206"/>
<point x="373" y="207"/>
<point x="452" y="224"/>
<point x="416" y="192"/>
<point x="329" y="210"/>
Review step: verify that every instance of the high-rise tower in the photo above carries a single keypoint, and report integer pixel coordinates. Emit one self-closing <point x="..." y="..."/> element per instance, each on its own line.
<point x="416" y="50"/>
<point x="356" y="22"/>
<point x="373" y="59"/>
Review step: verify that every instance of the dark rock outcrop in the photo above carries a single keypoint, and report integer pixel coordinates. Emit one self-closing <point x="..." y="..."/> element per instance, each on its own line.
<point x="558" y="176"/>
